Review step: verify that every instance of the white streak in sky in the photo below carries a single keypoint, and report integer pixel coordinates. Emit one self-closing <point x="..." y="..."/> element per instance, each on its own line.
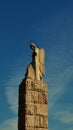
<point x="12" y="91"/>
<point x="10" y="124"/>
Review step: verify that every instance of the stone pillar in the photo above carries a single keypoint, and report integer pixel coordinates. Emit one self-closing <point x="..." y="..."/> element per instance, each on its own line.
<point x="33" y="107"/>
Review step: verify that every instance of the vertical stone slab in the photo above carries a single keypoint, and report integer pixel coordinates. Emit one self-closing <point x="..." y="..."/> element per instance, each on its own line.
<point x="33" y="107"/>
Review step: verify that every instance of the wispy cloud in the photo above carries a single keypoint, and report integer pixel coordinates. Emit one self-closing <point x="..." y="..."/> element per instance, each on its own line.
<point x="12" y="98"/>
<point x="60" y="73"/>
<point x="64" y="116"/>
<point x="58" y="85"/>
<point x="60" y="127"/>
<point x="11" y="91"/>
<point x="10" y="124"/>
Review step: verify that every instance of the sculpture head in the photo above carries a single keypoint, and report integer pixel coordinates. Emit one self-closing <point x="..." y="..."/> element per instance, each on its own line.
<point x="33" y="46"/>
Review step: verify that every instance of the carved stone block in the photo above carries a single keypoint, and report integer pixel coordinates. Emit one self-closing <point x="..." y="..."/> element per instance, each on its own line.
<point x="40" y="129"/>
<point x="33" y="108"/>
<point x="31" y="97"/>
<point x="29" y="121"/>
<point x="28" y="96"/>
<point x="40" y="86"/>
<point x="29" y="128"/>
<point x="42" y="97"/>
<point x="29" y="109"/>
<point x="44" y="121"/>
<point x="28" y="84"/>
<point x="36" y="121"/>
<point x="41" y="109"/>
<point x="34" y="96"/>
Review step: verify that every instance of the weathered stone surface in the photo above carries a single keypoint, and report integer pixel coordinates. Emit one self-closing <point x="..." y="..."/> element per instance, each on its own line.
<point x="42" y="97"/>
<point x="31" y="97"/>
<point x="29" y="109"/>
<point x="33" y="128"/>
<point x="28" y="97"/>
<point x="40" y="86"/>
<point x="36" y="121"/>
<point x="28" y="84"/>
<point x="34" y="97"/>
<point x="29" y="128"/>
<point x="33" y="108"/>
<point x="29" y="120"/>
<point x="41" y="109"/>
<point x="40" y="128"/>
<point x="43" y="121"/>
<point x="36" y="85"/>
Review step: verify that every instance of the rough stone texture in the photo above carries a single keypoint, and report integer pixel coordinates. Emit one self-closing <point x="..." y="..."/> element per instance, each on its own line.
<point x="33" y="108"/>
<point x="31" y="128"/>
<point x="29" y="120"/>
<point x="29" y="109"/>
<point x="37" y="121"/>
<point x="32" y="96"/>
<point x="42" y="98"/>
<point x="40" y="129"/>
<point x="43" y="121"/>
<point x="41" y="109"/>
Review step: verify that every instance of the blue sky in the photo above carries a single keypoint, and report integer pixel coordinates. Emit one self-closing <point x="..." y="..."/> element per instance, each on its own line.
<point x="50" y="24"/>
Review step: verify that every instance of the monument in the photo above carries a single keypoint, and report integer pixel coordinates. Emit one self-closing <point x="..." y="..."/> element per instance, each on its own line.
<point x="33" y="107"/>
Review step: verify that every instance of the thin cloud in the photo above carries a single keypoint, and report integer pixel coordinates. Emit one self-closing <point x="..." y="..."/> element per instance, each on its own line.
<point x="58" y="85"/>
<point x="64" y="116"/>
<point x="10" y="124"/>
<point x="11" y="91"/>
<point x="12" y="98"/>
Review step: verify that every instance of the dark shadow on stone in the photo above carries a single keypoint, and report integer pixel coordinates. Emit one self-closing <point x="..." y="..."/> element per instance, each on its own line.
<point x="21" y="105"/>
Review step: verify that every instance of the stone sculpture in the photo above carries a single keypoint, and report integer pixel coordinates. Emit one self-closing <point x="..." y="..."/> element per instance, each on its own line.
<point x="36" y="69"/>
<point x="33" y="103"/>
